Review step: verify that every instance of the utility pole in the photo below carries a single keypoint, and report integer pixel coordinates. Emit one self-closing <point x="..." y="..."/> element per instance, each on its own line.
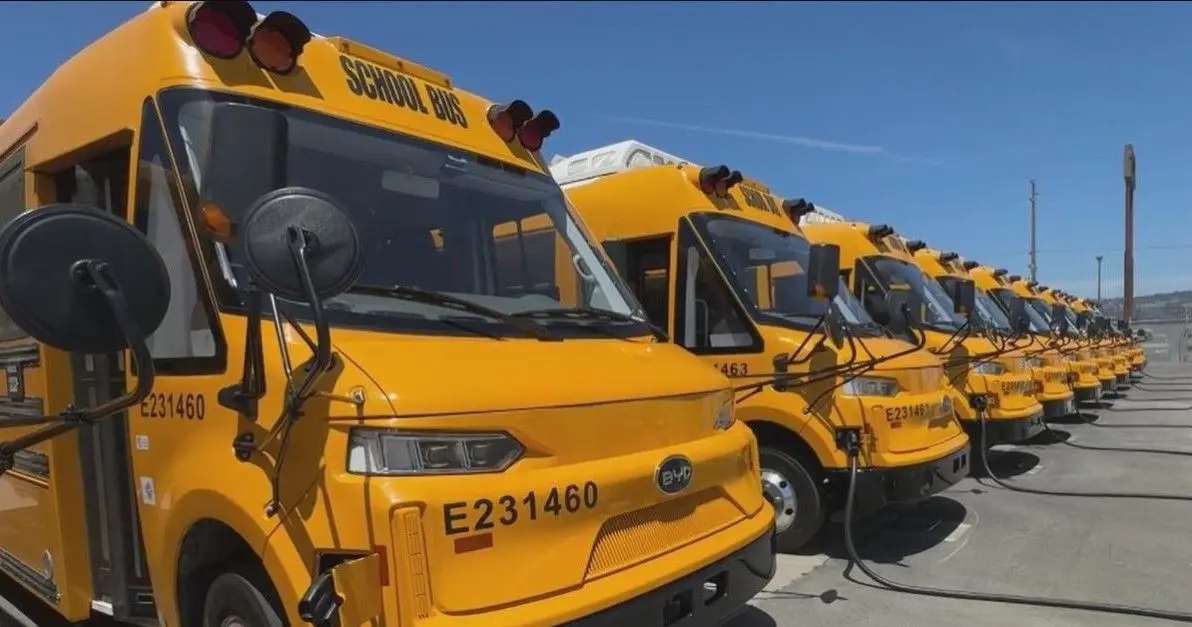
<point x="1099" y="258"/>
<point x="1128" y="256"/>
<point x="1034" y="266"/>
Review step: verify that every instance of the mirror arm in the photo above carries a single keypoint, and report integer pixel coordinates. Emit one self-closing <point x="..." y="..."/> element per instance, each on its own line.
<point x="299" y="243"/>
<point x="97" y="275"/>
<point x="242" y="397"/>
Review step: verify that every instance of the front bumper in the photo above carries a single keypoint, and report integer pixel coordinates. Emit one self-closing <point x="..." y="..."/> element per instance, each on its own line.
<point x="878" y="487"/>
<point x="1005" y="431"/>
<point x="1058" y="408"/>
<point x="1088" y="395"/>
<point x="707" y="597"/>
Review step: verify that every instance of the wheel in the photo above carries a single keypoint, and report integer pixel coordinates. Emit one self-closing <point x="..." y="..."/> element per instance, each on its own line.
<point x="791" y="489"/>
<point x="233" y="600"/>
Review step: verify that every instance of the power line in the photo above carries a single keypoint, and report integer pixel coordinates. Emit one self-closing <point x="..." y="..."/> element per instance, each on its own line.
<point x="1110" y="250"/>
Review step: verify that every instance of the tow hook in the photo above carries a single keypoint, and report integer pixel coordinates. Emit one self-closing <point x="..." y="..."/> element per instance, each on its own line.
<point x="320" y="604"/>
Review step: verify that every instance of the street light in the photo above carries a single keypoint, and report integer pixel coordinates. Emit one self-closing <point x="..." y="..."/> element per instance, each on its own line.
<point x="1099" y="258"/>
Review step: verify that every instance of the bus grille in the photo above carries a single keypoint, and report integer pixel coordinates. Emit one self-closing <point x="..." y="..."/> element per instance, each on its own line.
<point x="634" y="537"/>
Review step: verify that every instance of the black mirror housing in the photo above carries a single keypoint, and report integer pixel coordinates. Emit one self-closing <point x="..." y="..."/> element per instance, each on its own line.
<point x="823" y="271"/>
<point x="1018" y="317"/>
<point x="964" y="297"/>
<point x="81" y="280"/>
<point x="900" y="307"/>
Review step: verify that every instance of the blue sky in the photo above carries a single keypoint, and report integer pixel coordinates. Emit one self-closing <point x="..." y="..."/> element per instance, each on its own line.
<point x="930" y="117"/>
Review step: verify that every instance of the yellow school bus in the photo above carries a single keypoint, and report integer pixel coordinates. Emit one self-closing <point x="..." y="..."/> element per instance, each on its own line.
<point x="1105" y="346"/>
<point x="879" y="268"/>
<point x="1105" y="364"/>
<point x="1119" y="337"/>
<point x="717" y="260"/>
<point x="1082" y="368"/>
<point x="418" y="429"/>
<point x="1046" y="366"/>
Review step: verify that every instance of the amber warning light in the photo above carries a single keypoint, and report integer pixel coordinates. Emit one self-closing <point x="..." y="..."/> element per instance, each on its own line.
<point x="225" y="29"/>
<point x="717" y="180"/>
<point x="516" y="120"/>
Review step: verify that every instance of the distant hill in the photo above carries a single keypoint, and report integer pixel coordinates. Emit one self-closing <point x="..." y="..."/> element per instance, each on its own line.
<point x="1152" y="306"/>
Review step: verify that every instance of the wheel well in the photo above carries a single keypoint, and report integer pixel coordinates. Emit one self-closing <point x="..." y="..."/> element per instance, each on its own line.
<point x="210" y="549"/>
<point x="770" y="434"/>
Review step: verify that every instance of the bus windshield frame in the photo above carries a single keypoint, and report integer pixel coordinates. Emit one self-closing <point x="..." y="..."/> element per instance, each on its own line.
<point x="406" y="196"/>
<point x="726" y="235"/>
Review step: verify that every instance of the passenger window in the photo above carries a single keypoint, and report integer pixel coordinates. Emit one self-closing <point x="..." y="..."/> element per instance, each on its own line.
<point x="708" y="318"/>
<point x="647" y="270"/>
<point x="12" y="204"/>
<point x="187" y="342"/>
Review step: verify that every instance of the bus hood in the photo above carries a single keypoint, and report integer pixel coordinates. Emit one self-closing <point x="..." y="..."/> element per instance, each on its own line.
<point x="424" y="376"/>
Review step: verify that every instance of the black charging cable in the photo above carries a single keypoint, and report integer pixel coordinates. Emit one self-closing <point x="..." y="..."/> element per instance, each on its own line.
<point x="981" y="407"/>
<point x="853" y="443"/>
<point x="1057" y="438"/>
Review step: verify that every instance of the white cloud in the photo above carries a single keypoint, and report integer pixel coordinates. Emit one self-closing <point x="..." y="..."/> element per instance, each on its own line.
<point x="807" y="142"/>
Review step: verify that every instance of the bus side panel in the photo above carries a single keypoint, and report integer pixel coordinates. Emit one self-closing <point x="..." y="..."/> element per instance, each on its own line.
<point x="43" y="541"/>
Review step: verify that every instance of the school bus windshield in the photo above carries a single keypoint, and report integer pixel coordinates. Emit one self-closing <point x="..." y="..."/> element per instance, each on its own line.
<point x="936" y="307"/>
<point x="767" y="269"/>
<point x="429" y="217"/>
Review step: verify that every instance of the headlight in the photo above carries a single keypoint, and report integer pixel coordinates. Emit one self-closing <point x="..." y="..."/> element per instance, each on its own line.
<point x="989" y="367"/>
<point x="870" y="386"/>
<point x="726" y="415"/>
<point x="388" y="452"/>
<point x="1036" y="362"/>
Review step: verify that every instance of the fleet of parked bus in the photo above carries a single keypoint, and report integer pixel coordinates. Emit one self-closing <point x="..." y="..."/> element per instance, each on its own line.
<point x="331" y="343"/>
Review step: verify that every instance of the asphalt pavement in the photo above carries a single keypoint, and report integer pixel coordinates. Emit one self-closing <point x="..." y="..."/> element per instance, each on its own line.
<point x="979" y="536"/>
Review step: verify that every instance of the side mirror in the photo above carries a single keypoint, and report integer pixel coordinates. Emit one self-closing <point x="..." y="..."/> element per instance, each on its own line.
<point x="246" y="156"/>
<point x="1059" y="318"/>
<point x="298" y="245"/>
<point x="1018" y="317"/>
<point x="823" y="271"/>
<point x="964" y="297"/>
<point x="901" y="307"/>
<point x="80" y="280"/>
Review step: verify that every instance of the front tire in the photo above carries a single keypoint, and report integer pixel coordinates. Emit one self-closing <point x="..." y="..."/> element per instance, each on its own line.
<point x="789" y="485"/>
<point x="234" y="600"/>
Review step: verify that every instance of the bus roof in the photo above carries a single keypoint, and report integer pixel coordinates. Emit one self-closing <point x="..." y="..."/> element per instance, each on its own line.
<point x="631" y="154"/>
<point x="605" y="160"/>
<point x="152" y="51"/>
<point x="856" y="236"/>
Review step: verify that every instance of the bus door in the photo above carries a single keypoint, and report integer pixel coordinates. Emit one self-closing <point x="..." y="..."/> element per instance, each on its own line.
<point x="645" y="265"/>
<point x="119" y="573"/>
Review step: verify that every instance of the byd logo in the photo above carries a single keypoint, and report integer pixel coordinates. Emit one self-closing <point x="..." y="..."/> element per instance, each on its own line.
<point x="673" y="474"/>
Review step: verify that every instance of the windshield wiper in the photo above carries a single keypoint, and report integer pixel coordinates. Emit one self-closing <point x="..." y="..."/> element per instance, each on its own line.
<point x="590" y="313"/>
<point x="439" y="299"/>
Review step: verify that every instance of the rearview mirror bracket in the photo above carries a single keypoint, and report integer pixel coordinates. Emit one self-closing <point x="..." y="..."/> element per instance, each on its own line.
<point x="243" y="396"/>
